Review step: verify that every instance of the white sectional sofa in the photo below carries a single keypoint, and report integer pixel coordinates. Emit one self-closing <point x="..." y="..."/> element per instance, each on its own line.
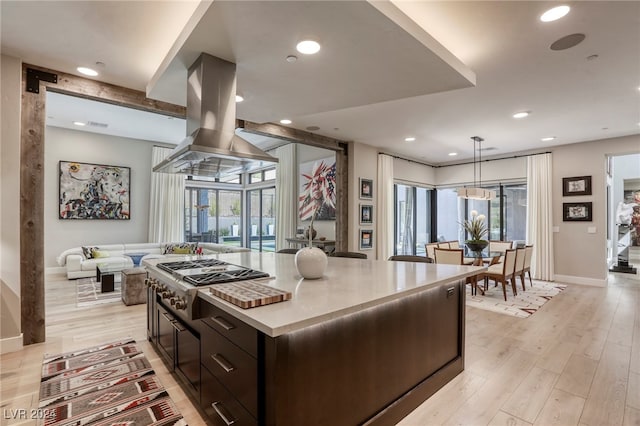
<point x="79" y="266"/>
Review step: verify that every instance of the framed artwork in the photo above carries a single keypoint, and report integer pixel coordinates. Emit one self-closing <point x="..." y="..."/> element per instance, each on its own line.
<point x="366" y="188"/>
<point x="366" y="239"/>
<point x="317" y="197"/>
<point x="93" y="191"/>
<point x="577" y="212"/>
<point x="580" y="185"/>
<point x="366" y="214"/>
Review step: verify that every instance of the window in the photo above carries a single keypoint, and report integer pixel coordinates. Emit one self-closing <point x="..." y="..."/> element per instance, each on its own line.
<point x="213" y="216"/>
<point x="506" y="214"/>
<point x="412" y="219"/>
<point x="262" y="222"/>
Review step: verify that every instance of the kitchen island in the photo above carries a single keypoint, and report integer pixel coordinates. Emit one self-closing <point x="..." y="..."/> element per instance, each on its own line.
<point x="366" y="344"/>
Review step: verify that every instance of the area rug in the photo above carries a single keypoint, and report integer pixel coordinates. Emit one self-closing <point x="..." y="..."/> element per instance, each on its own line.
<point x="89" y="294"/>
<point x="110" y="384"/>
<point x="525" y="304"/>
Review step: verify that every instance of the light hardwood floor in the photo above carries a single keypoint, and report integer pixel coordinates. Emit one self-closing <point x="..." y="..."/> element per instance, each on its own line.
<point x="574" y="362"/>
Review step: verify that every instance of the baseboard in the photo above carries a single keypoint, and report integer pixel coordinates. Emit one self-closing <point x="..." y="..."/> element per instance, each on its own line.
<point x="11" y="344"/>
<point x="570" y="279"/>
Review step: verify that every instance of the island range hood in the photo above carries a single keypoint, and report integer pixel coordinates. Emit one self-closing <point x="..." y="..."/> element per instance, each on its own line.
<point x="212" y="148"/>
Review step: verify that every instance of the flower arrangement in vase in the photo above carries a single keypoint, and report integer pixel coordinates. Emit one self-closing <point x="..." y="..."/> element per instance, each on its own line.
<point x="476" y="230"/>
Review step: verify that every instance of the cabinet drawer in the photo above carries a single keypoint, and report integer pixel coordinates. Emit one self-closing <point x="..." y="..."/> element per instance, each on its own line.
<point x="220" y="406"/>
<point x="233" y="367"/>
<point x="230" y="327"/>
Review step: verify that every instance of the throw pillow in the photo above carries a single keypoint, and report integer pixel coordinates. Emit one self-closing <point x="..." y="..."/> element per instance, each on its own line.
<point x="180" y="248"/>
<point x="88" y="251"/>
<point x="97" y="254"/>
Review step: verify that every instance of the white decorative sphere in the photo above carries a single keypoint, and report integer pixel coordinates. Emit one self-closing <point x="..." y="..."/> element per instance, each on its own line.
<point x="311" y="262"/>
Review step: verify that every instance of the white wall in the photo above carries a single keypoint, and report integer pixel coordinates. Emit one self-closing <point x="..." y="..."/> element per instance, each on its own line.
<point x="363" y="163"/>
<point x="410" y="172"/>
<point x="580" y="256"/>
<point x="71" y="145"/>
<point x="493" y="171"/>
<point x="10" y="328"/>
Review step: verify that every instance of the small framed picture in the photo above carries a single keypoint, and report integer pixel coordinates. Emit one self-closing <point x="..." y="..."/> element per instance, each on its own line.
<point x="580" y="185"/>
<point x="366" y="239"/>
<point x="577" y="212"/>
<point x="366" y="214"/>
<point x="366" y="188"/>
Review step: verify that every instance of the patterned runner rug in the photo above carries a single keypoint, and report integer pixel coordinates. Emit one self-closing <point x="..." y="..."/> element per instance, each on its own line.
<point x="525" y="304"/>
<point x="110" y="384"/>
<point x="88" y="293"/>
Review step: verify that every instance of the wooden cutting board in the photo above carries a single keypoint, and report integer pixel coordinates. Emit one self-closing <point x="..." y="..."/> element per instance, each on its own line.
<point x="249" y="294"/>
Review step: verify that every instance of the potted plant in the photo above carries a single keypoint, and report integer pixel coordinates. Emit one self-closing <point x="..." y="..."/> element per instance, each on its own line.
<point x="476" y="230"/>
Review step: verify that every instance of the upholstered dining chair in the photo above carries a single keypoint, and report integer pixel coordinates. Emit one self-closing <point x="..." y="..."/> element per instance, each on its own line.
<point x="429" y="249"/>
<point x="444" y="244"/>
<point x="454" y="244"/>
<point x="527" y="262"/>
<point x="456" y="257"/>
<point x="288" y="250"/>
<point x="503" y="272"/>
<point x="409" y="258"/>
<point x="519" y="268"/>
<point x="351" y="254"/>
<point x="499" y="246"/>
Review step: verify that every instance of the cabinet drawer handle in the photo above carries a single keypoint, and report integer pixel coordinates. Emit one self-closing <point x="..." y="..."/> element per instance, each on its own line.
<point x="177" y="326"/>
<point x="168" y="317"/>
<point x="223" y="362"/>
<point x="450" y="291"/>
<point x="223" y="323"/>
<point x="223" y="413"/>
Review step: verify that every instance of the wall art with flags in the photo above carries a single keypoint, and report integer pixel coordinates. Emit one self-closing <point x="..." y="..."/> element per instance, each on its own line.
<point x="318" y="190"/>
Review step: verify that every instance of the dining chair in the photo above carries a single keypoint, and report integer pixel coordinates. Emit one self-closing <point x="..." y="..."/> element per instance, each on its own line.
<point x="288" y="250"/>
<point x="456" y="257"/>
<point x="503" y="272"/>
<point x="429" y="249"/>
<point x="519" y="268"/>
<point x="527" y="262"/>
<point x="444" y="244"/>
<point x="454" y="244"/>
<point x="351" y="254"/>
<point x="410" y="258"/>
<point x="499" y="246"/>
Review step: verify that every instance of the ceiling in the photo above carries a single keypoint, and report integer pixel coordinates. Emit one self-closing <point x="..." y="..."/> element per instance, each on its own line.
<point x="437" y="71"/>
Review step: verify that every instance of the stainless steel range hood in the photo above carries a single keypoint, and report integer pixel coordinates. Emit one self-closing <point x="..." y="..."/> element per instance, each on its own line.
<point x="212" y="148"/>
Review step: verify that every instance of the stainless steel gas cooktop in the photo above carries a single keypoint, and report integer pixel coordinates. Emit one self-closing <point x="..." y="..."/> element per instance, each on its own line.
<point x="202" y="272"/>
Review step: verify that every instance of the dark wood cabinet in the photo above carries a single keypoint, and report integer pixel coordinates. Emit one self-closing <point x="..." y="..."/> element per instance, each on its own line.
<point x="179" y="346"/>
<point x="221" y="406"/>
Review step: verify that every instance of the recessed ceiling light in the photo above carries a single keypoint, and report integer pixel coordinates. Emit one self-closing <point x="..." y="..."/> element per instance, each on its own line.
<point x="453" y="154"/>
<point x="239" y="98"/>
<point x="79" y="123"/>
<point x="547" y="139"/>
<point x="555" y="13"/>
<point x="521" y="114"/>
<point x="285" y="121"/>
<point x="87" y="71"/>
<point x="411" y="139"/>
<point x="308" y="47"/>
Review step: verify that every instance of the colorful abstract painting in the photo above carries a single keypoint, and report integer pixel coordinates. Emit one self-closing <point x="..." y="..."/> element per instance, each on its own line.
<point x="93" y="191"/>
<point x="318" y="190"/>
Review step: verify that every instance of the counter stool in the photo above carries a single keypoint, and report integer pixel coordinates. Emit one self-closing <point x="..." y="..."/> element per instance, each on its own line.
<point x="133" y="290"/>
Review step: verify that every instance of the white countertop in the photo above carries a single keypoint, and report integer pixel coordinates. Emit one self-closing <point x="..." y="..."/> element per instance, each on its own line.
<point x="348" y="286"/>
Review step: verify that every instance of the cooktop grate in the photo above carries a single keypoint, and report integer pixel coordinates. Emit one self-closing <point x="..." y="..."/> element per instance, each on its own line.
<point x="190" y="264"/>
<point x="224" y="277"/>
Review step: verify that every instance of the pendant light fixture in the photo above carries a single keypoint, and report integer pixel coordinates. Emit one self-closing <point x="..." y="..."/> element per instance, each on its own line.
<point x="477" y="192"/>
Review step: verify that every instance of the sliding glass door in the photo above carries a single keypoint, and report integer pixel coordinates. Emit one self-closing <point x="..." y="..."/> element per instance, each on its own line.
<point x="261" y="226"/>
<point x="213" y="216"/>
<point x="412" y="219"/>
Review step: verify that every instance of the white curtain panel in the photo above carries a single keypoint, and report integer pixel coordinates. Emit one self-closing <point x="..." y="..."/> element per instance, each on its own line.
<point x="166" y="202"/>
<point x="539" y="215"/>
<point x="384" y="208"/>
<point x="286" y="194"/>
